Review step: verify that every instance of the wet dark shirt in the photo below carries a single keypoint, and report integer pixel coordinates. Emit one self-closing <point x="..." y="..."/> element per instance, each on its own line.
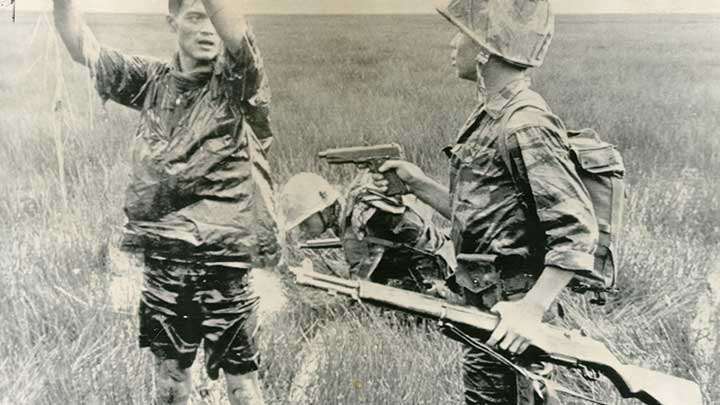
<point x="200" y="188"/>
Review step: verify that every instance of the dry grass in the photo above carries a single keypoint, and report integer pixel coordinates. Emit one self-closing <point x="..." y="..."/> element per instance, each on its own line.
<point x="650" y="84"/>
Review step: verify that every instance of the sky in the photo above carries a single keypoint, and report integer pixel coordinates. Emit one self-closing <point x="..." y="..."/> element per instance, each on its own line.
<point x="391" y="6"/>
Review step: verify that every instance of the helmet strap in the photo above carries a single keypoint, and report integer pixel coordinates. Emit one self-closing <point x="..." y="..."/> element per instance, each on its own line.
<point x="480" y="84"/>
<point x="324" y="221"/>
<point x="329" y="217"/>
<point x="481" y="59"/>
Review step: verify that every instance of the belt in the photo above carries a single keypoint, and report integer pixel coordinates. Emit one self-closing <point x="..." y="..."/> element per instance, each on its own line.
<point x="491" y="275"/>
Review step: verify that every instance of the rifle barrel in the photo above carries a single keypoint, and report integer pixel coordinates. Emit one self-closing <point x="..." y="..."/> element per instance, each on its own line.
<point x="328" y="286"/>
<point x="426" y="305"/>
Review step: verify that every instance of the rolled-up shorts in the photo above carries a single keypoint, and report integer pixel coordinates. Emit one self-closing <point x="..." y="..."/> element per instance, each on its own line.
<point x="185" y="304"/>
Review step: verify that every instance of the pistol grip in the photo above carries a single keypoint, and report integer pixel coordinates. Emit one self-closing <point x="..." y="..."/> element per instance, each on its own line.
<point x="395" y="185"/>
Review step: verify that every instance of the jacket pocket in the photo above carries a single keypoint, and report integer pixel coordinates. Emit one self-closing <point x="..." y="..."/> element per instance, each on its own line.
<point x="468" y="154"/>
<point x="594" y="155"/>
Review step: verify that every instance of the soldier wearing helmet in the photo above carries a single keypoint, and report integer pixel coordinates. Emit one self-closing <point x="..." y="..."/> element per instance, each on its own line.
<point x="309" y="202"/>
<point x="514" y="196"/>
<point x="387" y="240"/>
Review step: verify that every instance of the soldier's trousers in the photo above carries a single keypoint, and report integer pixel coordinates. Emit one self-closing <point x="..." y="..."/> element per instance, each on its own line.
<point x="488" y="381"/>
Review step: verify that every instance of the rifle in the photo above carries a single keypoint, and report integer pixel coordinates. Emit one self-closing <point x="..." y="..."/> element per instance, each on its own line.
<point x="552" y="344"/>
<point x="373" y="157"/>
<point x="329" y="243"/>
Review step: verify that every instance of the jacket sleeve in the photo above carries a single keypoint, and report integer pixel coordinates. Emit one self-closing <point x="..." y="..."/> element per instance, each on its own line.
<point x="246" y="86"/>
<point x="562" y="203"/>
<point x="122" y="78"/>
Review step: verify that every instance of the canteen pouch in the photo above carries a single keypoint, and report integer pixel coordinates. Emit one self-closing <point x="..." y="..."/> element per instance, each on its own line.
<point x="475" y="272"/>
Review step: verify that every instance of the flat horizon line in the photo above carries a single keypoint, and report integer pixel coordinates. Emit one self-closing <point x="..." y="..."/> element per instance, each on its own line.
<point x="712" y="13"/>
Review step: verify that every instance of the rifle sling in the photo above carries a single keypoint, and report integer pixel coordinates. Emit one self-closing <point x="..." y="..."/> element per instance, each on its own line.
<point x="549" y="384"/>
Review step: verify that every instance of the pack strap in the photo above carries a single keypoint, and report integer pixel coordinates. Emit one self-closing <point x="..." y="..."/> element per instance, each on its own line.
<point x="504" y="150"/>
<point x="502" y="139"/>
<point x="616" y="218"/>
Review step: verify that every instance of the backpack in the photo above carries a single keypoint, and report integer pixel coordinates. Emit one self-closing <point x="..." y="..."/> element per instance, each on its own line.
<point x="600" y="168"/>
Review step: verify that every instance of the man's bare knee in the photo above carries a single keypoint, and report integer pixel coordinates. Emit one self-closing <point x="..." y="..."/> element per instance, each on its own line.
<point x="244" y="389"/>
<point x="173" y="383"/>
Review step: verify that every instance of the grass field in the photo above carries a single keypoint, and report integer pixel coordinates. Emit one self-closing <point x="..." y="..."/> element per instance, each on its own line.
<point x="649" y="84"/>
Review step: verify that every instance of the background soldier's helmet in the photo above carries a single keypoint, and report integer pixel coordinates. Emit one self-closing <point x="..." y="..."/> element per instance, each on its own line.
<point x="518" y="31"/>
<point x="304" y="195"/>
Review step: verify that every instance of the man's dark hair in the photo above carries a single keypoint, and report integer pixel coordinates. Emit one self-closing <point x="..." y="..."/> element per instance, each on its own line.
<point x="174" y="6"/>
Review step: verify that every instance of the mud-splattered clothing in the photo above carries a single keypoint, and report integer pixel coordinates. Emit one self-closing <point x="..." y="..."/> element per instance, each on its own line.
<point x="199" y="203"/>
<point x="200" y="187"/>
<point x="518" y="237"/>
<point x="184" y="304"/>
<point x="393" y="241"/>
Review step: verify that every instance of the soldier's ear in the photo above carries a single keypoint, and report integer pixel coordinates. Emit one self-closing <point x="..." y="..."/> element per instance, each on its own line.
<point x="172" y="22"/>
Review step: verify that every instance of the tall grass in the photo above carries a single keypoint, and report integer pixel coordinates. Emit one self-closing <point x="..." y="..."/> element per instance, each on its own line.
<point x="649" y="84"/>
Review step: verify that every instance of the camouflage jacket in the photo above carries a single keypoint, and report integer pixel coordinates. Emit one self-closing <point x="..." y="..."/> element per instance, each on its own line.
<point x="200" y="188"/>
<point x="393" y="241"/>
<point x="490" y="215"/>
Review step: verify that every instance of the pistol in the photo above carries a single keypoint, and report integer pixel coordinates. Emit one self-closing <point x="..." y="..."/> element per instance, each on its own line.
<point x="372" y="157"/>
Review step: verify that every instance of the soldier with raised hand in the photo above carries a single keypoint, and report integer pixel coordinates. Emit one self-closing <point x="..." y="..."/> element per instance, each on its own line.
<point x="199" y="203"/>
<point x="524" y="230"/>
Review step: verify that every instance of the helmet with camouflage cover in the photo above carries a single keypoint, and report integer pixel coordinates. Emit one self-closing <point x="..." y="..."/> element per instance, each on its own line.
<point x="304" y="195"/>
<point x="518" y="31"/>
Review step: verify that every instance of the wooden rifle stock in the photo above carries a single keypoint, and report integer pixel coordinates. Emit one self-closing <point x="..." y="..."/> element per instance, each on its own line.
<point x="554" y="344"/>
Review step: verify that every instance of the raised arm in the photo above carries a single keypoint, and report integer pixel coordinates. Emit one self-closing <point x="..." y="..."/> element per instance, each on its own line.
<point x="246" y="82"/>
<point x="117" y="76"/>
<point x="228" y="17"/>
<point x="76" y="35"/>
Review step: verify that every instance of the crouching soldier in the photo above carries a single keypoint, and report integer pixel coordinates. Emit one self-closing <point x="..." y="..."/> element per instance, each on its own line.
<point x="385" y="240"/>
<point x="199" y="204"/>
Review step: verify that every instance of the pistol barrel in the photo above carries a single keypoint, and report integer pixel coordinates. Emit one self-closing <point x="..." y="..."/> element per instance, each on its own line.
<point x="359" y="154"/>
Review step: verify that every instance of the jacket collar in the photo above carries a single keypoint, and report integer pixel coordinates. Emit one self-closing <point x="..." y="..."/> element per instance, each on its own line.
<point x="197" y="77"/>
<point x="497" y="102"/>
